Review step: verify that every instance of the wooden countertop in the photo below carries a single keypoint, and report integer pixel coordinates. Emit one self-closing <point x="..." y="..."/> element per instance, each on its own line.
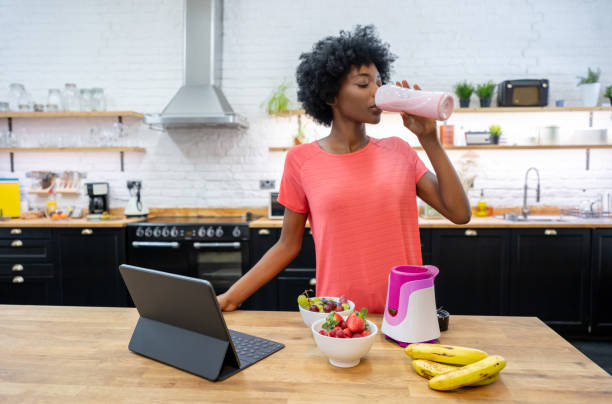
<point x="479" y="222"/>
<point x="122" y="222"/>
<point x="79" y="354"/>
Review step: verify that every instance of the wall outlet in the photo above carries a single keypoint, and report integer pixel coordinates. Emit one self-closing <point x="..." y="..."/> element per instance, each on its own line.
<point x="266" y="184"/>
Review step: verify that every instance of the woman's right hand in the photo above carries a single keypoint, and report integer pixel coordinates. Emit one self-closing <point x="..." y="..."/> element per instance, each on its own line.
<point x="225" y="303"/>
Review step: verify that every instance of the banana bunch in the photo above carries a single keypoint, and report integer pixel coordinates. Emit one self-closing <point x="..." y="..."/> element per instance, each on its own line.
<point x="451" y="367"/>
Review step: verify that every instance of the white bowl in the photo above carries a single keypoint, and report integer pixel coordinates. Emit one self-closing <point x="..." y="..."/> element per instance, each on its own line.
<point x="344" y="352"/>
<point x="310" y="317"/>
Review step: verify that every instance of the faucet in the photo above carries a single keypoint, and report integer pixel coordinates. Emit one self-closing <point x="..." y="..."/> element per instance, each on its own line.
<point x="524" y="210"/>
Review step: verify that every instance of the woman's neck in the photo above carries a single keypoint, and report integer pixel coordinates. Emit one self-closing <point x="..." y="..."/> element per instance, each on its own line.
<point x="345" y="137"/>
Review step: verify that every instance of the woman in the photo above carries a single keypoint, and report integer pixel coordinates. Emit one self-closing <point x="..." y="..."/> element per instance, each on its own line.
<point x="358" y="193"/>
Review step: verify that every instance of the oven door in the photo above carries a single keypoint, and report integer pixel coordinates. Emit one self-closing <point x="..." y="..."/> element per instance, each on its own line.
<point x="168" y="256"/>
<point x="220" y="263"/>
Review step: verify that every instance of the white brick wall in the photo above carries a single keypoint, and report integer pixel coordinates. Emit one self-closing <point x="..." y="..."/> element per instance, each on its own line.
<point x="134" y="50"/>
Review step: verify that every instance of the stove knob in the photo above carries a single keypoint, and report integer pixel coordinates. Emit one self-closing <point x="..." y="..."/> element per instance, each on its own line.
<point x="165" y="232"/>
<point x="219" y="232"/>
<point x="156" y="232"/>
<point x="148" y="232"/>
<point x="210" y="232"/>
<point x="201" y="232"/>
<point x="236" y="232"/>
<point x="139" y="232"/>
<point x="173" y="232"/>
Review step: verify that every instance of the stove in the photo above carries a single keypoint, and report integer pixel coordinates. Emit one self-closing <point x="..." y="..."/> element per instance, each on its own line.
<point x="175" y="228"/>
<point x="214" y="248"/>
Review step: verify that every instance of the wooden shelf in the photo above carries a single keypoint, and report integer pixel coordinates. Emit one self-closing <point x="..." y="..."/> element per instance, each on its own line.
<point x="72" y="149"/>
<point x="485" y="110"/>
<point x="494" y="147"/>
<point x="67" y="114"/>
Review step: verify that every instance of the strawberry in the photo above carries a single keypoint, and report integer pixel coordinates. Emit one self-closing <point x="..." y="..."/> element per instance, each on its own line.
<point x="332" y="334"/>
<point x="347" y="333"/>
<point x="340" y="335"/>
<point x="357" y="335"/>
<point x="323" y="332"/>
<point x="365" y="333"/>
<point x="338" y="318"/>
<point x="355" y="323"/>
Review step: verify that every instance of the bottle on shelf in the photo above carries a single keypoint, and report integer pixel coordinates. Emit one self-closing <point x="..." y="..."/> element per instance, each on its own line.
<point x="481" y="207"/>
<point x="51" y="202"/>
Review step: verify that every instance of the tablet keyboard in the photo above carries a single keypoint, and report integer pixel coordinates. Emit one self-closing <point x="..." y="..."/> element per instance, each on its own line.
<point x="251" y="349"/>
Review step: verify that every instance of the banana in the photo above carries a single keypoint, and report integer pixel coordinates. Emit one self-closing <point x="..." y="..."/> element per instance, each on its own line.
<point x="429" y="369"/>
<point x="469" y="374"/>
<point x="453" y="355"/>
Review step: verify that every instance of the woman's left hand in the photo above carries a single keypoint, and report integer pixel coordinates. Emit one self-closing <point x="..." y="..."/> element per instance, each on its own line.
<point x="423" y="128"/>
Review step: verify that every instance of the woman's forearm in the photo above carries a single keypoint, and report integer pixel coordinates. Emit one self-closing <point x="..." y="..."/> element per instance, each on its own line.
<point x="450" y="190"/>
<point x="273" y="261"/>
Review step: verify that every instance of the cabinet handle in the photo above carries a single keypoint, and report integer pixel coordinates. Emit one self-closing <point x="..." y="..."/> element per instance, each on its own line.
<point x="471" y="233"/>
<point x="86" y="232"/>
<point x="18" y="279"/>
<point x="15" y="231"/>
<point x="313" y="281"/>
<point x="16" y="243"/>
<point x="17" y="268"/>
<point x="263" y="232"/>
<point x="550" y="232"/>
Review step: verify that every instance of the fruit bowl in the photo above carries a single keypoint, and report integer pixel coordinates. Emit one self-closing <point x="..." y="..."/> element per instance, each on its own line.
<point x="310" y="317"/>
<point x="344" y="352"/>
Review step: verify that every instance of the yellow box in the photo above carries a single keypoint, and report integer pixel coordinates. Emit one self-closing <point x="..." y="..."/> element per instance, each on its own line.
<point x="10" y="203"/>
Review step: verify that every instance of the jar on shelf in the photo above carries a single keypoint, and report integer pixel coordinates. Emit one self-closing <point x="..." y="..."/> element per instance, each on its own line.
<point x="15" y="92"/>
<point x="98" y="101"/>
<point x="25" y="103"/>
<point x="71" y="98"/>
<point x="85" y="99"/>
<point x="54" y="100"/>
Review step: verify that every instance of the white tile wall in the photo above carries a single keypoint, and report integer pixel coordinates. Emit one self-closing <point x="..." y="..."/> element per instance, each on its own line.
<point x="134" y="50"/>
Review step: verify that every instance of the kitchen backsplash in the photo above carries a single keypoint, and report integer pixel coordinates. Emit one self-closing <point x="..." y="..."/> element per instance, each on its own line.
<point x="134" y="51"/>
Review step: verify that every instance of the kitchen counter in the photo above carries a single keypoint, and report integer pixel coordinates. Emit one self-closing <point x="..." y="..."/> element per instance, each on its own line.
<point x="482" y="222"/>
<point x="119" y="222"/>
<point x="79" y="354"/>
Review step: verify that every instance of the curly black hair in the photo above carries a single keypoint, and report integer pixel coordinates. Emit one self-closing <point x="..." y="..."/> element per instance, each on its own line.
<point x="320" y="72"/>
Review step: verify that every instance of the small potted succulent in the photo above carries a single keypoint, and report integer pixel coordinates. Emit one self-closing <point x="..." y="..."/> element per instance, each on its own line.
<point x="484" y="92"/>
<point x="494" y="132"/>
<point x="608" y="93"/>
<point x="464" y="91"/>
<point x="589" y="87"/>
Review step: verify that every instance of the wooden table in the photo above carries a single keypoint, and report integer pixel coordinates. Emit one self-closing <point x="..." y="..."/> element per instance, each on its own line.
<point x="73" y="354"/>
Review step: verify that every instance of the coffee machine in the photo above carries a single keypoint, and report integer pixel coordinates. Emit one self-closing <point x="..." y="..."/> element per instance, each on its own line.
<point x="98" y="199"/>
<point x="135" y="207"/>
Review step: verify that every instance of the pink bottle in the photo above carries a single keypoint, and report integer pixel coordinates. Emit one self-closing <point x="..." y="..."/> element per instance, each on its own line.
<point x="430" y="104"/>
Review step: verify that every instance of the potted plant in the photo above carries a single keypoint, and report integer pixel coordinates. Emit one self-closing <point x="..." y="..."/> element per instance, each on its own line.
<point x="278" y="101"/>
<point x="494" y="132"/>
<point x="608" y="93"/>
<point x="484" y="92"/>
<point x="589" y="87"/>
<point x="464" y="91"/>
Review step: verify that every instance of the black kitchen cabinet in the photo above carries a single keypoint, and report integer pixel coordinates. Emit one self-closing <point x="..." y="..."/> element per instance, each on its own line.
<point x="28" y="273"/>
<point x="601" y="284"/>
<point x="270" y="295"/>
<point x="473" y="266"/>
<point x="89" y="260"/>
<point x="425" y="236"/>
<point x="291" y="282"/>
<point x="550" y="277"/>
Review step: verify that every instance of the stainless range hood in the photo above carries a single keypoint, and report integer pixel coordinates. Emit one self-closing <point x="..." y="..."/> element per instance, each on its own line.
<point x="200" y="101"/>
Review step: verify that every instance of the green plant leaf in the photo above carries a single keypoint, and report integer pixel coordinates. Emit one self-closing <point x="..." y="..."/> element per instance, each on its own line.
<point x="592" y="77"/>
<point x="464" y="89"/>
<point x="485" y="90"/>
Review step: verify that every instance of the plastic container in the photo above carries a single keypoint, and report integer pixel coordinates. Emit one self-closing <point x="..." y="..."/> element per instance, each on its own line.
<point x="51" y="202"/>
<point x="430" y="104"/>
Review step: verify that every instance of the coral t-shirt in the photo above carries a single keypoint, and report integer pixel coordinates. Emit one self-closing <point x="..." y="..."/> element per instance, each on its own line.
<point x="362" y="211"/>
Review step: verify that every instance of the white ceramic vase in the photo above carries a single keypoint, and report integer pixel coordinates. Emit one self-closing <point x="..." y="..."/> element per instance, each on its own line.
<point x="590" y="94"/>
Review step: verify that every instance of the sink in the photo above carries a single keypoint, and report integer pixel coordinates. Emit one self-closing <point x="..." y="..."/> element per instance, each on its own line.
<point x="534" y="219"/>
